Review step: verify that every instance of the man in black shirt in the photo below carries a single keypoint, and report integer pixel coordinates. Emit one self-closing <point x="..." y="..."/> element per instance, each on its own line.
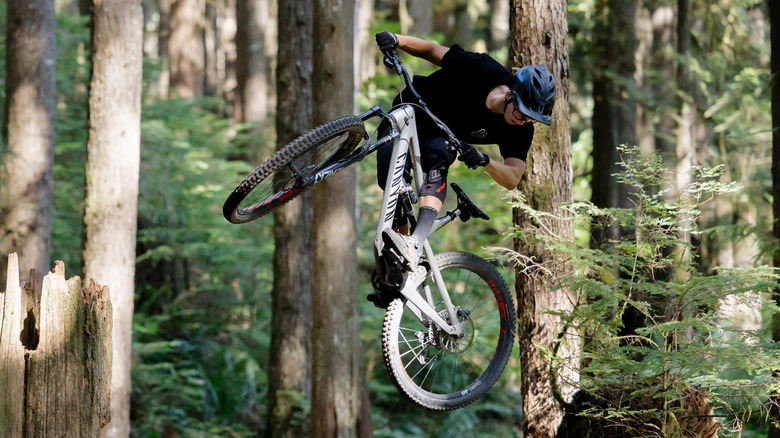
<point x="482" y="103"/>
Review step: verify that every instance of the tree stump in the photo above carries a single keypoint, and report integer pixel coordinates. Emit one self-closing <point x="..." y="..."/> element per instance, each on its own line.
<point x="55" y="356"/>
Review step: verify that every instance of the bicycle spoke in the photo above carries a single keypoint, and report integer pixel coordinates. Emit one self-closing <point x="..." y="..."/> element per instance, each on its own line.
<point x="456" y="374"/>
<point x="429" y="369"/>
<point x="480" y="318"/>
<point x="411" y="349"/>
<point x="422" y="368"/>
<point x="481" y="353"/>
<point x="436" y="376"/>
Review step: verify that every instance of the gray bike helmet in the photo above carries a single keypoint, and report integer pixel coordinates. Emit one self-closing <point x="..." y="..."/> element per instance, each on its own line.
<point x="533" y="92"/>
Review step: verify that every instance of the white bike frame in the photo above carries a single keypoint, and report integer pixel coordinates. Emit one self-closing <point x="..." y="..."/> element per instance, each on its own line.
<point x="403" y="121"/>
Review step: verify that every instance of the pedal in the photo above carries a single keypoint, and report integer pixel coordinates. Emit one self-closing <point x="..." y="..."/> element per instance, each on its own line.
<point x="392" y="254"/>
<point x="391" y="251"/>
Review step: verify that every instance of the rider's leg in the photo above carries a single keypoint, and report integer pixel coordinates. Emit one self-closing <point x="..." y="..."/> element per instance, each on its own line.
<point x="436" y="159"/>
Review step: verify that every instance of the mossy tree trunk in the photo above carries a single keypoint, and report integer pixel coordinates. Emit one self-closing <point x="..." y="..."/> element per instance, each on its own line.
<point x="539" y="36"/>
<point x="338" y="379"/>
<point x="289" y="375"/>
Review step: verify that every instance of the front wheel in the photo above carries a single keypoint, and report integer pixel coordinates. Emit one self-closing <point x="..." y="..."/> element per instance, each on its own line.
<point x="283" y="176"/>
<point x="439" y="371"/>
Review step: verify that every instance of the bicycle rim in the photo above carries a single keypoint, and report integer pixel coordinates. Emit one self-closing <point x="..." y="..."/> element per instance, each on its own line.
<point x="436" y="370"/>
<point x="287" y="173"/>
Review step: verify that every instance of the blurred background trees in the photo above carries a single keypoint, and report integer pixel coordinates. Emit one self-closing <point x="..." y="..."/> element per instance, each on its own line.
<point x="28" y="136"/>
<point x="688" y="80"/>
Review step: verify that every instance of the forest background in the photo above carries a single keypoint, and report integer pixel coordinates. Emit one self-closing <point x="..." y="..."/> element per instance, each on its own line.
<point x="201" y="325"/>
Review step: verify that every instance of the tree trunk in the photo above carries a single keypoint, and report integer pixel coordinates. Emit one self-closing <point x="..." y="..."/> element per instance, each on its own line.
<point x="421" y="15"/>
<point x="539" y="36"/>
<point x="164" y="36"/>
<point x="365" y="67"/>
<point x="11" y="352"/>
<point x="26" y="173"/>
<point x="774" y="14"/>
<point x="338" y="381"/>
<point x="499" y="25"/>
<point x="614" y="119"/>
<point x="661" y="62"/>
<point x="685" y="148"/>
<point x="252" y="70"/>
<point x="211" y="43"/>
<point x="55" y="356"/>
<point x="226" y="54"/>
<point x="644" y="33"/>
<point x="461" y="31"/>
<point x="289" y="372"/>
<point x="186" y="47"/>
<point x="113" y="155"/>
<point x="453" y="20"/>
<point x="614" y="107"/>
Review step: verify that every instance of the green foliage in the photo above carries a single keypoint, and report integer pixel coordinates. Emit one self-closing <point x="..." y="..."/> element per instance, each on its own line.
<point x="634" y="381"/>
<point x="200" y="335"/>
<point x="70" y="149"/>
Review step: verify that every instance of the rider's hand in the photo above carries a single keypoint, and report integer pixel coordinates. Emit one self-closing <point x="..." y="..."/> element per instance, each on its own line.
<point x="472" y="157"/>
<point x="386" y="40"/>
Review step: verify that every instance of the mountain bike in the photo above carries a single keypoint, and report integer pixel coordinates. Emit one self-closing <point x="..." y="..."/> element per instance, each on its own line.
<point x="449" y="325"/>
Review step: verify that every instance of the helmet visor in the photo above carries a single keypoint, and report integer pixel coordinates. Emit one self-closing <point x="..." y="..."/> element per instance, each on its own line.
<point x="528" y="113"/>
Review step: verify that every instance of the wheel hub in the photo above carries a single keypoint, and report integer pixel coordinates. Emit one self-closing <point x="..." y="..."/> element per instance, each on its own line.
<point x="455" y="344"/>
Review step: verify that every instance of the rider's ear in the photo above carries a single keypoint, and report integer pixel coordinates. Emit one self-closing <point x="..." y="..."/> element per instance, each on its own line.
<point x="509" y="94"/>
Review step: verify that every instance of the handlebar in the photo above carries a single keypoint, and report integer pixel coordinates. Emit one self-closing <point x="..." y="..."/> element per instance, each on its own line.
<point x="392" y="61"/>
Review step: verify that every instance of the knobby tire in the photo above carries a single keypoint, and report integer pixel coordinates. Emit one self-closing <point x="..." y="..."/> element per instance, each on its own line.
<point x="457" y="371"/>
<point x="279" y="179"/>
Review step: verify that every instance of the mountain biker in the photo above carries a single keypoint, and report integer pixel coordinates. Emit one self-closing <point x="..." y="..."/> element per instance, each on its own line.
<point x="482" y="103"/>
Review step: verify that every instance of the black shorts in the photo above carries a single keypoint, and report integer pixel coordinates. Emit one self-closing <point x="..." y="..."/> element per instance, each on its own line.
<point x="434" y="154"/>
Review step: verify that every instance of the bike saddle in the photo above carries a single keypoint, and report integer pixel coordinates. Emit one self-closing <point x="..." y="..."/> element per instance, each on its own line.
<point x="466" y="206"/>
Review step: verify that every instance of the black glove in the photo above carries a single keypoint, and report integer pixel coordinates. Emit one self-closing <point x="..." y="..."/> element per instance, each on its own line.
<point x="386" y="40"/>
<point x="472" y="157"/>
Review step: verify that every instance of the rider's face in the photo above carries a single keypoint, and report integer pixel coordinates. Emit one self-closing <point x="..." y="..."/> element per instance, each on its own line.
<point x="512" y="115"/>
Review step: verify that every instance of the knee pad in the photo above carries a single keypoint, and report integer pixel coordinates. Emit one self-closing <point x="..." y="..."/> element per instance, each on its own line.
<point x="435" y="183"/>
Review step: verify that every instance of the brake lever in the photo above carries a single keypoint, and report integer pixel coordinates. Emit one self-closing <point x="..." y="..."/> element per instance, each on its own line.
<point x="388" y="61"/>
<point x="391" y="61"/>
<point x="454" y="145"/>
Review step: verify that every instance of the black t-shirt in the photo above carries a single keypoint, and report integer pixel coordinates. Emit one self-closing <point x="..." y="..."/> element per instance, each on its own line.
<point x="457" y="92"/>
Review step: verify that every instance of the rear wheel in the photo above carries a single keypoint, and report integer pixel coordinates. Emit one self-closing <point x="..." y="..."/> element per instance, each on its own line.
<point x="281" y="178"/>
<point x="439" y="371"/>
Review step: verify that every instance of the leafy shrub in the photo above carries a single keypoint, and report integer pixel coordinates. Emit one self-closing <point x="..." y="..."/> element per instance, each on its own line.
<point x="684" y="359"/>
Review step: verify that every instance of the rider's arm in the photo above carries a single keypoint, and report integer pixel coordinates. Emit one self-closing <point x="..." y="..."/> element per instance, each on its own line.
<point x="508" y="173"/>
<point x="427" y="50"/>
